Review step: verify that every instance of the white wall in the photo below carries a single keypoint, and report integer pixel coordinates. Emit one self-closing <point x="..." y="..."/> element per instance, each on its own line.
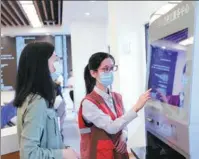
<point x="87" y="38"/>
<point x="127" y="42"/>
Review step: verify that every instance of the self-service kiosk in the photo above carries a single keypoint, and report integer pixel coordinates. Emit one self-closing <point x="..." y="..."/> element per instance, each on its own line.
<point x="172" y="115"/>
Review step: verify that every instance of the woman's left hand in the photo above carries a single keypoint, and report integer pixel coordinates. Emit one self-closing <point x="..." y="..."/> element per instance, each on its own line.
<point x="121" y="145"/>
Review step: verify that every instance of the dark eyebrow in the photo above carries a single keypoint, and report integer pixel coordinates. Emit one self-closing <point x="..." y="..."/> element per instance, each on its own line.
<point x="108" y="66"/>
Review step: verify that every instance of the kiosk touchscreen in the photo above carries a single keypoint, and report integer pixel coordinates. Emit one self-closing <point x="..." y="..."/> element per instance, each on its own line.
<point x="173" y="71"/>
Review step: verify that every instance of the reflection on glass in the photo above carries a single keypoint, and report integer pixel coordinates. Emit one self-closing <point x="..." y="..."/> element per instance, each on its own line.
<point x="168" y="68"/>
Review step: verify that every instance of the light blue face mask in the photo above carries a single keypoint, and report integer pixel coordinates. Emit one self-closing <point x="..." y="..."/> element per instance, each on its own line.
<point x="106" y="78"/>
<point x="58" y="67"/>
<point x="58" y="71"/>
<point x="54" y="76"/>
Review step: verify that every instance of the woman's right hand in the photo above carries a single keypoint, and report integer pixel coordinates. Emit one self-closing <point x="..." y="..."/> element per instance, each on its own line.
<point x="69" y="153"/>
<point x="142" y="100"/>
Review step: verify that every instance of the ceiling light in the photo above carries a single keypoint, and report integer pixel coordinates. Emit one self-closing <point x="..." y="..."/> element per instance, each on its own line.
<point x="31" y="13"/>
<point x="187" y="41"/>
<point x="87" y="14"/>
<point x="163" y="47"/>
<point x="1" y="34"/>
<point x="26" y="2"/>
<point x="174" y="2"/>
<point x="47" y="33"/>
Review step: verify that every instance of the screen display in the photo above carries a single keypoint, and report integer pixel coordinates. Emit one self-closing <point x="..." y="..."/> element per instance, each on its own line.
<point x="167" y="75"/>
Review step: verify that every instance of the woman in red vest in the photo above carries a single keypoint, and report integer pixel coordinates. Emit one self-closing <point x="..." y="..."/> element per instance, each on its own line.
<point x="102" y="120"/>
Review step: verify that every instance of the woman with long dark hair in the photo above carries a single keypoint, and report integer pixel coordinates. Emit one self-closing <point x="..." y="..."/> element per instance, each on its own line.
<point x="38" y="132"/>
<point x="102" y="120"/>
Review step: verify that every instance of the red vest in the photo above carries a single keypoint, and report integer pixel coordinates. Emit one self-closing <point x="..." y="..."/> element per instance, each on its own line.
<point x="96" y="143"/>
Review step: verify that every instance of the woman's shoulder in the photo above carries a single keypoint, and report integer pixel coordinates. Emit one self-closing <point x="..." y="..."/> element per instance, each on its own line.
<point x="34" y="107"/>
<point x="36" y="101"/>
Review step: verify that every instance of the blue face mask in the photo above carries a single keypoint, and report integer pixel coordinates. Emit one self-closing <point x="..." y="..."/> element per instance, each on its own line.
<point x="106" y="78"/>
<point x="58" y="67"/>
<point x="58" y="71"/>
<point x="54" y="76"/>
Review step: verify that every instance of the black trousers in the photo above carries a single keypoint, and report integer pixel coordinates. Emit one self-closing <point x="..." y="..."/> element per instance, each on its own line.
<point x="71" y="95"/>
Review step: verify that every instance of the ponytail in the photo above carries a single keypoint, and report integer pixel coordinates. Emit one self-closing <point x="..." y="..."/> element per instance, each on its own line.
<point x="89" y="80"/>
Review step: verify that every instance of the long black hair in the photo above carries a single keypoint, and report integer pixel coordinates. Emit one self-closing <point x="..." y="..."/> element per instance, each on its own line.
<point x="93" y="64"/>
<point x="33" y="76"/>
